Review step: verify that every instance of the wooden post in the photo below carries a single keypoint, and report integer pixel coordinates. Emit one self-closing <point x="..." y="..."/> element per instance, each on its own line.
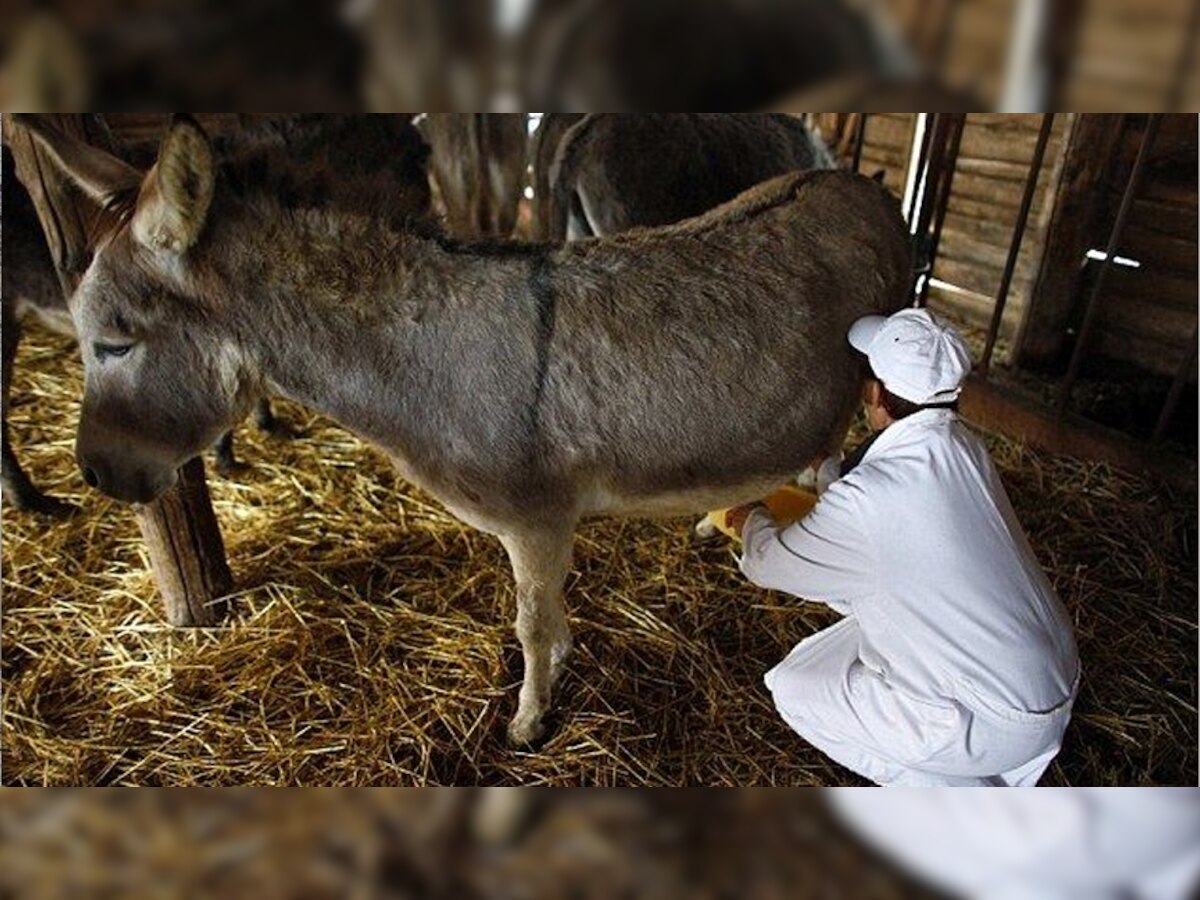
<point x="1090" y="143"/>
<point x="1092" y="305"/>
<point x="186" y="550"/>
<point x="187" y="554"/>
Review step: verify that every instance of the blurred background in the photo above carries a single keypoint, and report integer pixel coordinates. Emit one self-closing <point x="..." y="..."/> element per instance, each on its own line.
<point x="480" y="844"/>
<point x="587" y="55"/>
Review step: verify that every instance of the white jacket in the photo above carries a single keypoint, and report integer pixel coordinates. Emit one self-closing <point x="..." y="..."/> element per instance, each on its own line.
<point x="920" y="544"/>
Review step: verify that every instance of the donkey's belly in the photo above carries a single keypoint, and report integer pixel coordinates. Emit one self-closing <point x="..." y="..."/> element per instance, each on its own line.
<point x="606" y="501"/>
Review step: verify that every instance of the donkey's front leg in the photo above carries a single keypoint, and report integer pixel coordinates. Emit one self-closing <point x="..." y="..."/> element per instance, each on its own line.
<point x="540" y="560"/>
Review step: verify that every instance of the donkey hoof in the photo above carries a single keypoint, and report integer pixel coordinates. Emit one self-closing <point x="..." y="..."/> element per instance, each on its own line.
<point x="231" y="466"/>
<point x="280" y="429"/>
<point x="525" y="731"/>
<point x="285" y="432"/>
<point x="705" y="531"/>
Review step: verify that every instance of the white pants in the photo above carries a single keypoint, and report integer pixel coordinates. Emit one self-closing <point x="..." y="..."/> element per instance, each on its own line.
<point x="852" y="714"/>
<point x="1070" y="844"/>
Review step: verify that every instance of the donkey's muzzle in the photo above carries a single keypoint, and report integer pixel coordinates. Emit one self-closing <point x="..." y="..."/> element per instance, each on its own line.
<point x="130" y="484"/>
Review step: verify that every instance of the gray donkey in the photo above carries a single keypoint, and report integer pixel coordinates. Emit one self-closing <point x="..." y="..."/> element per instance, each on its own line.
<point x="382" y="165"/>
<point x="526" y="386"/>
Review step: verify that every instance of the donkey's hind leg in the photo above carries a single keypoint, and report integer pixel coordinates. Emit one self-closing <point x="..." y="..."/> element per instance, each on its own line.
<point x="540" y="560"/>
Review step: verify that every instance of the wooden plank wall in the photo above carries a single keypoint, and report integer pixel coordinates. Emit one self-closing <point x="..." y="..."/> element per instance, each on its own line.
<point x="886" y="147"/>
<point x="1146" y="314"/>
<point x="993" y="164"/>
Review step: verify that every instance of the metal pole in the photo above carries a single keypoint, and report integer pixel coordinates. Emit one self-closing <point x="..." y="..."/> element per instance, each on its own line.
<point x="928" y="174"/>
<point x="922" y="158"/>
<point x="1014" y="249"/>
<point x="925" y="197"/>
<point x="1114" y="238"/>
<point x="949" y="163"/>
<point x="859" y="139"/>
<point x="1186" y="367"/>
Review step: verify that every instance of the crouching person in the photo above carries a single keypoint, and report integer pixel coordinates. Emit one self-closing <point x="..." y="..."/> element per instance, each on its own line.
<point x="955" y="663"/>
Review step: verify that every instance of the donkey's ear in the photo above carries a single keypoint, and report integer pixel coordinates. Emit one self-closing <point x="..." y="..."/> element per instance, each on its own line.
<point x="174" y="200"/>
<point x="101" y="176"/>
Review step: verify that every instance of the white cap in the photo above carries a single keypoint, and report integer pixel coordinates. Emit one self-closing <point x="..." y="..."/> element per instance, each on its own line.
<point x="916" y="357"/>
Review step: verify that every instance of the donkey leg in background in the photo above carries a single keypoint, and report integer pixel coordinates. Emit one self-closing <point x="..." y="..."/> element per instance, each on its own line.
<point x="264" y="418"/>
<point x="18" y="489"/>
<point x="540" y="560"/>
<point x="227" y="462"/>
<point x="269" y="423"/>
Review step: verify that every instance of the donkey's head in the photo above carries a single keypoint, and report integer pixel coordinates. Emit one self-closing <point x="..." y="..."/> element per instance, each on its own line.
<point x="164" y="375"/>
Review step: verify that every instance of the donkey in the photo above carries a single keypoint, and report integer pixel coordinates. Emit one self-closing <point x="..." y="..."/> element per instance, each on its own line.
<point x="613" y="172"/>
<point x="526" y="386"/>
<point x="381" y="166"/>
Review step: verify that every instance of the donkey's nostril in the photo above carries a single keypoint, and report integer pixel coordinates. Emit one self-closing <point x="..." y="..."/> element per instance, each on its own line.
<point x="90" y="478"/>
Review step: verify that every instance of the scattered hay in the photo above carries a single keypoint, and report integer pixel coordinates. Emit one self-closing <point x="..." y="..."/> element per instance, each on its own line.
<point x="370" y="640"/>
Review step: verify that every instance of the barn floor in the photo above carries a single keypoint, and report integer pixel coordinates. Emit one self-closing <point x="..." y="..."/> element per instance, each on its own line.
<point x="370" y="640"/>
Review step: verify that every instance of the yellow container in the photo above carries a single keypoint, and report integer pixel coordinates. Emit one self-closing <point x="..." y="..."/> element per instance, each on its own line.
<point x="786" y="505"/>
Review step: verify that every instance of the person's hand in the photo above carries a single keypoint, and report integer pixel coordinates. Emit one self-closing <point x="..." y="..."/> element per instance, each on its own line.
<point x="735" y="517"/>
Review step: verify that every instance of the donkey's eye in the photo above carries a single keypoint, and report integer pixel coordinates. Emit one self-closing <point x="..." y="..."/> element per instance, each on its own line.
<point x="105" y="351"/>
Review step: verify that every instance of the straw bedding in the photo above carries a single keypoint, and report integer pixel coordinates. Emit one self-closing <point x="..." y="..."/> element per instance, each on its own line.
<point x="370" y="640"/>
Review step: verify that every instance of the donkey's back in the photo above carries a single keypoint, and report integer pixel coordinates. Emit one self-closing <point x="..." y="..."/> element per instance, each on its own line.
<point x="713" y="353"/>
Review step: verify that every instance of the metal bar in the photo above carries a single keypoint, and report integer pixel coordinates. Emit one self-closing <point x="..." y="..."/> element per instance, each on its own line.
<point x="859" y="139"/>
<point x="1114" y="239"/>
<point x="933" y="171"/>
<point x="922" y="157"/>
<point x="949" y="163"/>
<point x="1186" y="367"/>
<point x="1014" y="249"/>
<point x="925" y="197"/>
<point x="921" y="198"/>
